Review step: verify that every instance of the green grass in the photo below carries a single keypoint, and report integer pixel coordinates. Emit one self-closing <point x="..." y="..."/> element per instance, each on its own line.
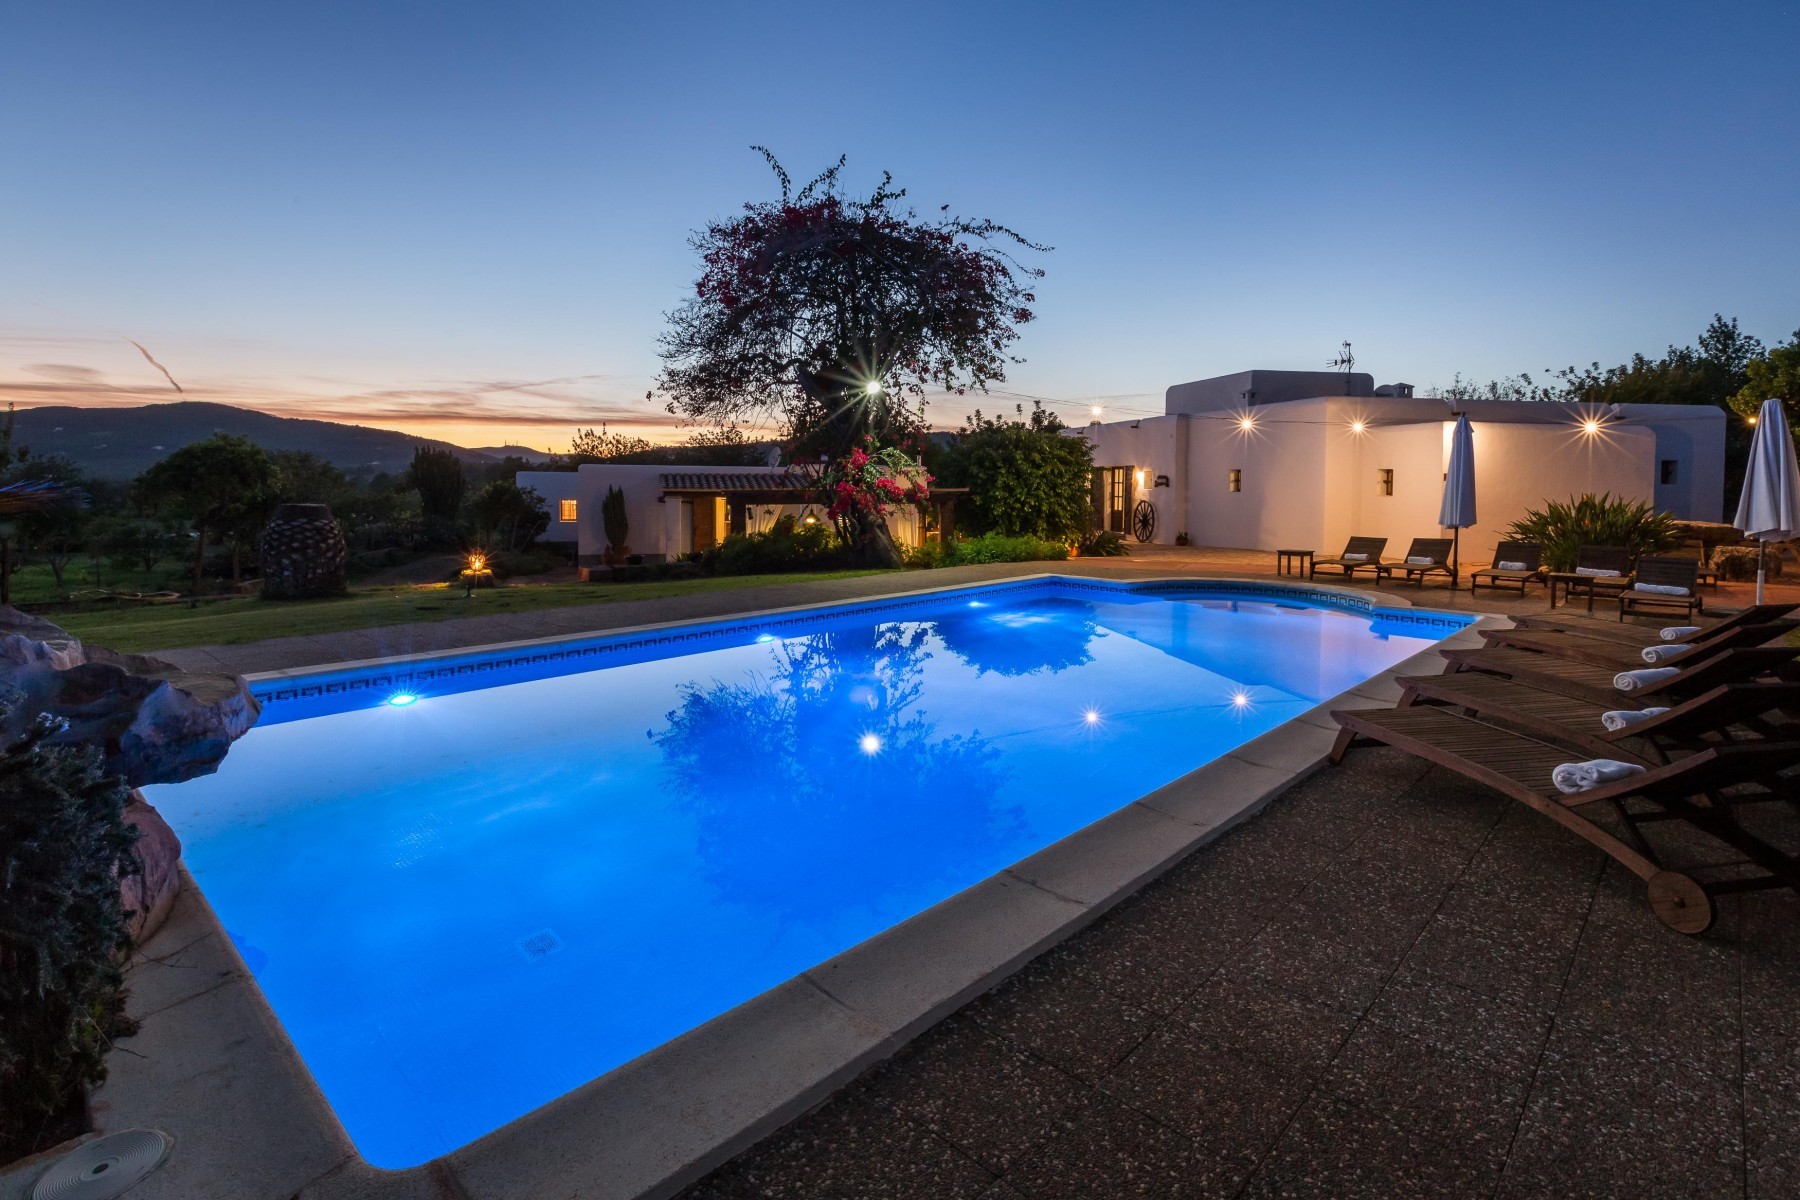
<point x="251" y="619"/>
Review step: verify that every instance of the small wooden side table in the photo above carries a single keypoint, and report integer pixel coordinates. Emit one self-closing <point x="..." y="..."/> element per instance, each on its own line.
<point x="1293" y="562"/>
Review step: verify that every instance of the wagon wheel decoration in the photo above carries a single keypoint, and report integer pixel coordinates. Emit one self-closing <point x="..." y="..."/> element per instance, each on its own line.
<point x="1143" y="521"/>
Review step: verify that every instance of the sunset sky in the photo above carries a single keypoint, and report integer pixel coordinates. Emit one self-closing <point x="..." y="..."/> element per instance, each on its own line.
<point x="467" y="221"/>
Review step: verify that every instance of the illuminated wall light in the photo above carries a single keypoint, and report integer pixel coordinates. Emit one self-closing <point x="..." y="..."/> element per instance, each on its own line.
<point x="1751" y="420"/>
<point x="1140" y="481"/>
<point x="1358" y="427"/>
<point x="1246" y="423"/>
<point x="869" y="743"/>
<point x="1590" y="426"/>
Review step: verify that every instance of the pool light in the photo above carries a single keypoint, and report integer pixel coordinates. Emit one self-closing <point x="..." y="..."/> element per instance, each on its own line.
<point x="402" y="699"/>
<point x="765" y="637"/>
<point x="1240" y="699"/>
<point x="1091" y="716"/>
<point x="869" y="743"/>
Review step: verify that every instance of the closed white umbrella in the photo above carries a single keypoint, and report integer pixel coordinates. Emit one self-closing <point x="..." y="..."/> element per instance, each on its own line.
<point x="1769" y="509"/>
<point x="1458" y="508"/>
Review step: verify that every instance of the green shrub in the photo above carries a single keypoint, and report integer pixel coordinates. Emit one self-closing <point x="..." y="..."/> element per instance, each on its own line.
<point x="64" y="844"/>
<point x="1104" y="544"/>
<point x="1563" y="528"/>
<point x="1025" y="477"/>
<point x="612" y="517"/>
<point x="996" y="548"/>
<point x="789" y="546"/>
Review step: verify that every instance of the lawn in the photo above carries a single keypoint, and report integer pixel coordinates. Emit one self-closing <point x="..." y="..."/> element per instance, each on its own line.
<point x="251" y="619"/>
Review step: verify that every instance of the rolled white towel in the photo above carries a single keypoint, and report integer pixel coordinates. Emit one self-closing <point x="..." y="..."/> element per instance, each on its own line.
<point x="1674" y="633"/>
<point x="1596" y="573"/>
<point x="1620" y="718"/>
<point x="1420" y="560"/>
<point x="1356" y="558"/>
<point x="1662" y="650"/>
<point x="1660" y="589"/>
<point x="1581" y="776"/>
<point x="1511" y="566"/>
<point x="1631" y="681"/>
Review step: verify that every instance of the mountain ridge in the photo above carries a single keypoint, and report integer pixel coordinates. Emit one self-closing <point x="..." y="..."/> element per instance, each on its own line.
<point x="120" y="443"/>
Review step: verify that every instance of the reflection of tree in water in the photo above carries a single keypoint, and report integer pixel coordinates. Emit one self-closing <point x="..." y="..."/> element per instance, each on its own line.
<point x="777" y="770"/>
<point x="1047" y="635"/>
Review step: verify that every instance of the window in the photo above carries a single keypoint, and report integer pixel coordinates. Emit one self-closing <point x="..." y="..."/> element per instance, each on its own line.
<point x="1237" y="479"/>
<point x="1668" y="471"/>
<point x="1384" y="481"/>
<point x="565" y="510"/>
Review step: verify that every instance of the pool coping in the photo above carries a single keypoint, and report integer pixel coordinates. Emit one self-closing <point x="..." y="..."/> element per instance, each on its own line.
<point x="212" y="1066"/>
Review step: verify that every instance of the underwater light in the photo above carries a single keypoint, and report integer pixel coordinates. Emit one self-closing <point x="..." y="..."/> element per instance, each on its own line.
<point x="869" y="743"/>
<point x="1240" y="699"/>
<point x="402" y="699"/>
<point x="765" y="637"/>
<point x="1091" y="716"/>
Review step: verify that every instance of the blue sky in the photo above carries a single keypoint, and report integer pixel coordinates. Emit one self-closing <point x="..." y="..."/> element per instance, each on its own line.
<point x="467" y="220"/>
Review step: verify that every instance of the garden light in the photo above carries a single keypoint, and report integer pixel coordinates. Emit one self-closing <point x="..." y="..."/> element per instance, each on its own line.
<point x="873" y="387"/>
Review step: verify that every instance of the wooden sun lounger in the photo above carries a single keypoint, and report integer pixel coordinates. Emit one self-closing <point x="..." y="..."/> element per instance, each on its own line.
<point x="1597" y="558"/>
<point x="1729" y="712"/>
<point x="1370" y="546"/>
<point x="1641" y="635"/>
<point x="1689" y="790"/>
<point x="1435" y="549"/>
<point x="1683" y="573"/>
<point x="1529" y="553"/>
<point x="1588" y="682"/>
<point x="1630" y="658"/>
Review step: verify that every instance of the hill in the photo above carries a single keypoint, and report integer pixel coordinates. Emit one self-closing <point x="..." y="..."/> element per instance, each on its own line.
<point x="119" y="443"/>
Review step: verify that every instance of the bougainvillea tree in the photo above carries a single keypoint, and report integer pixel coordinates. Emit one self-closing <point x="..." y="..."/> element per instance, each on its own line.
<point x="833" y="316"/>
<point x="860" y="487"/>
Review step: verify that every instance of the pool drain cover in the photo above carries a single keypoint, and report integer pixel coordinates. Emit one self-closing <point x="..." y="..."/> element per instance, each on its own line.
<point x="104" y="1167"/>
<point x="539" y="945"/>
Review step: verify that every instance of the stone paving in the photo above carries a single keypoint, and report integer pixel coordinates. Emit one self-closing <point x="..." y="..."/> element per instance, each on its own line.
<point x="1392" y="983"/>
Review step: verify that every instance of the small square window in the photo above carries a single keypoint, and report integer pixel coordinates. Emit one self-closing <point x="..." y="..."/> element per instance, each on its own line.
<point x="1237" y="479"/>
<point x="1384" y="481"/>
<point x="1669" y="469"/>
<point x="565" y="510"/>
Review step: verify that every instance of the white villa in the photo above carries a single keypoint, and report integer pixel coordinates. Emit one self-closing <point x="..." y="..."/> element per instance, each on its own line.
<point x="1306" y="459"/>
<point x="1261" y="460"/>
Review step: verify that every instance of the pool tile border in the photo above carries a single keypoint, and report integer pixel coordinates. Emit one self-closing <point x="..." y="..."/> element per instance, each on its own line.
<point x="663" y="1120"/>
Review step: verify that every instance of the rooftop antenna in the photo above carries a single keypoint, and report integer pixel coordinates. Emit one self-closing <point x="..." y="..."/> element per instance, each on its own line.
<point x="1345" y="359"/>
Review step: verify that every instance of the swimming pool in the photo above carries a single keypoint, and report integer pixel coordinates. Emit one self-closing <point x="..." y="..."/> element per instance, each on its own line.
<point x="471" y="883"/>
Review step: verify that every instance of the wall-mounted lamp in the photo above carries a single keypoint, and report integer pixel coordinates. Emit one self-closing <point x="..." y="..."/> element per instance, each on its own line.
<point x="1138" y="477"/>
<point x="1358" y="427"/>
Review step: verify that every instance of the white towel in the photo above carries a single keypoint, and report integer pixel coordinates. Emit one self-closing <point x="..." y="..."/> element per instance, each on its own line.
<point x="1420" y="560"/>
<point x="1620" y="718"/>
<point x="1580" y="776"/>
<point x="1662" y="650"/>
<point x="1356" y="558"/>
<point x="1596" y="573"/>
<point x="1674" y="633"/>
<point x="1631" y="681"/>
<point x="1511" y="566"/>
<point x="1659" y="589"/>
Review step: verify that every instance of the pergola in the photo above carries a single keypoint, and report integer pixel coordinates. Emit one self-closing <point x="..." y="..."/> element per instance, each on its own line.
<point x="784" y="487"/>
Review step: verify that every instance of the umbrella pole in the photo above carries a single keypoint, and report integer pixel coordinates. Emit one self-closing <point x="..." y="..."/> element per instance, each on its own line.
<point x="1455" y="555"/>
<point x="1762" y="550"/>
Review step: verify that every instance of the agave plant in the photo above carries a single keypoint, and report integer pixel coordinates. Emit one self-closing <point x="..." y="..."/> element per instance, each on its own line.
<point x="1563" y="528"/>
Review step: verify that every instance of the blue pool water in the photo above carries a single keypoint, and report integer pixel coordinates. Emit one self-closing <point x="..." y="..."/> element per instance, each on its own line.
<point x="525" y="873"/>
